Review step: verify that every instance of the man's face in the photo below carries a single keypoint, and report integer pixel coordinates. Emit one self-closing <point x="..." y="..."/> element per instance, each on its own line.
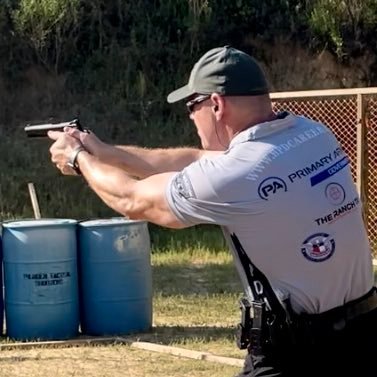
<point x="201" y="113"/>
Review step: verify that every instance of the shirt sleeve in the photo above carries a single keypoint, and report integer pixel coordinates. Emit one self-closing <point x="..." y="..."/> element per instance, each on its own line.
<point x="202" y="194"/>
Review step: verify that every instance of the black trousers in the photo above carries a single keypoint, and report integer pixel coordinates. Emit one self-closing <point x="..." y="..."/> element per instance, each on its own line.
<point x="349" y="352"/>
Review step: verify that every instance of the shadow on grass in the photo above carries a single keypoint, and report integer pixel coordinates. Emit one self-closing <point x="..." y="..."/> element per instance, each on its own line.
<point x="208" y="237"/>
<point x="181" y="334"/>
<point x="160" y="334"/>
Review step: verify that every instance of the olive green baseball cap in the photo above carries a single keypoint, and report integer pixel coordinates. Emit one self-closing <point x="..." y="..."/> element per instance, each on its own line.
<point x="224" y="70"/>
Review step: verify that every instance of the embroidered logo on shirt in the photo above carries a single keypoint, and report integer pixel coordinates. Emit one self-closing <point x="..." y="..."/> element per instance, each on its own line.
<point x="318" y="247"/>
<point x="183" y="185"/>
<point x="271" y="186"/>
<point x="335" y="193"/>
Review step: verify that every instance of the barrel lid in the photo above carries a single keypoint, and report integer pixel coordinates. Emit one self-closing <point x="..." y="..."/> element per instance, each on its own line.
<point x="109" y="222"/>
<point x="32" y="223"/>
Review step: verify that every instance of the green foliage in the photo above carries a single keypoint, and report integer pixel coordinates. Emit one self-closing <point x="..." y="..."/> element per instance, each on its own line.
<point x="325" y="21"/>
<point x="112" y="62"/>
<point x="345" y="24"/>
<point x="49" y="26"/>
<point x="268" y="19"/>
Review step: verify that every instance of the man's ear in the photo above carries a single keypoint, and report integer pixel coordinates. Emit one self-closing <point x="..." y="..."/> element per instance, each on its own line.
<point x="216" y="100"/>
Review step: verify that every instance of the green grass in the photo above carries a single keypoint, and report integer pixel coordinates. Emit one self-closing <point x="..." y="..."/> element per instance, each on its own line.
<point x="196" y="293"/>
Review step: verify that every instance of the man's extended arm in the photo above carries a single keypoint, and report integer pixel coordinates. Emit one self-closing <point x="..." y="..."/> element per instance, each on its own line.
<point x="144" y="162"/>
<point x="138" y="199"/>
<point x="143" y="199"/>
<point x="137" y="161"/>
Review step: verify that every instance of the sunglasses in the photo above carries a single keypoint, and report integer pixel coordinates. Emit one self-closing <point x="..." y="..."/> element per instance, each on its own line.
<point x="191" y="104"/>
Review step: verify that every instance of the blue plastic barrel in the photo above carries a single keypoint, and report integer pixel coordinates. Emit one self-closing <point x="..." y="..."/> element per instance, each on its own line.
<point x="115" y="276"/>
<point x="40" y="279"/>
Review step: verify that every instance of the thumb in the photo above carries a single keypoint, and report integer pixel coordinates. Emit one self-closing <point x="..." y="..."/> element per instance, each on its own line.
<point x="53" y="135"/>
<point x="72" y="132"/>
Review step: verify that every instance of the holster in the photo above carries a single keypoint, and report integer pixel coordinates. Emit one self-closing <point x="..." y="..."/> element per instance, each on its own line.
<point x="259" y="327"/>
<point x="244" y="327"/>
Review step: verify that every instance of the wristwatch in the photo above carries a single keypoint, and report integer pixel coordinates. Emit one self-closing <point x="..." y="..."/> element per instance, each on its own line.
<point x="72" y="163"/>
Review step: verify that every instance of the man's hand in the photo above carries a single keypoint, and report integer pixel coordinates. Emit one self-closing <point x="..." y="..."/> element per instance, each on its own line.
<point x="90" y="142"/>
<point x="63" y="149"/>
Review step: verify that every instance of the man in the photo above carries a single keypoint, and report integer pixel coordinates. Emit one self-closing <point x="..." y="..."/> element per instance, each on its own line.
<point x="281" y="188"/>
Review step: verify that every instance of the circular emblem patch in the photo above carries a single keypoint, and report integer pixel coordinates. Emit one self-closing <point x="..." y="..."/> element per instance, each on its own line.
<point x="318" y="247"/>
<point x="335" y="193"/>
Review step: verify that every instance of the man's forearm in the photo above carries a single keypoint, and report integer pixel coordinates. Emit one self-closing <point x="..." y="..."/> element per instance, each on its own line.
<point x="144" y="162"/>
<point x="137" y="199"/>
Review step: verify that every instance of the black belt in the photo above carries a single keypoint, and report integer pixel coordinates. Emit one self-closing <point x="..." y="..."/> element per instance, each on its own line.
<point x="337" y="318"/>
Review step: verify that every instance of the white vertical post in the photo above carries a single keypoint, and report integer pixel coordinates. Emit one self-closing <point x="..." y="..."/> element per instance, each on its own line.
<point x="34" y="201"/>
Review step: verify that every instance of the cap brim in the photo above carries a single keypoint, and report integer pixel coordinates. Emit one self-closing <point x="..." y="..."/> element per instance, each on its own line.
<point x="180" y="94"/>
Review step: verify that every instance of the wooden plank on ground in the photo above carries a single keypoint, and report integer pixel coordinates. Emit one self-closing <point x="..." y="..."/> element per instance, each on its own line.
<point x="61" y="343"/>
<point x="146" y="346"/>
<point x="190" y="354"/>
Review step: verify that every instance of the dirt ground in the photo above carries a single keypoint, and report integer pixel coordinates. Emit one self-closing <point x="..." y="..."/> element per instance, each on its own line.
<point x="104" y="361"/>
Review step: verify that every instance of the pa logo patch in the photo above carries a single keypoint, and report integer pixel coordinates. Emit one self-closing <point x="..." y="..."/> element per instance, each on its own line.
<point x="318" y="247"/>
<point x="271" y="186"/>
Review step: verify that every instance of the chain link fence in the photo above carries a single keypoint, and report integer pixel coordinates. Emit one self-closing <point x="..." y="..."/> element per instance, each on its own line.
<point x="352" y="116"/>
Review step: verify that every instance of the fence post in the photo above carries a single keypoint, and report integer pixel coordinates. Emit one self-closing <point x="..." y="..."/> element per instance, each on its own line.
<point x="362" y="155"/>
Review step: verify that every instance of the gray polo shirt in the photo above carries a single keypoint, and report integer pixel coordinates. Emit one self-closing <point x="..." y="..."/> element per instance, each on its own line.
<point x="285" y="190"/>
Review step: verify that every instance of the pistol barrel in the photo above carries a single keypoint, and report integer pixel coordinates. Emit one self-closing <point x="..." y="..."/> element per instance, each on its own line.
<point x="40" y="130"/>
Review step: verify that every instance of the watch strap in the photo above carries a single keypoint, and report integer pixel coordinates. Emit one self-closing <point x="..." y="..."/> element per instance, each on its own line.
<point x="72" y="163"/>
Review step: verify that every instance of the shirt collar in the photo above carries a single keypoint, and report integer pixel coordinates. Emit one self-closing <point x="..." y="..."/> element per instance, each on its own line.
<point x="258" y="131"/>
